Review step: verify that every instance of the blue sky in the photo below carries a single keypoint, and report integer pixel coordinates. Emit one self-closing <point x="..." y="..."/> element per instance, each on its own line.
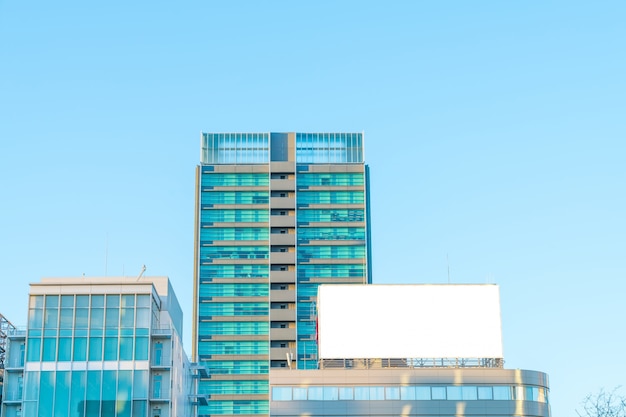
<point x="495" y="132"/>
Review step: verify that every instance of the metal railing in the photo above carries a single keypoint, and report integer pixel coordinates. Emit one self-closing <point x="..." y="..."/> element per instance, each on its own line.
<point x="411" y="363"/>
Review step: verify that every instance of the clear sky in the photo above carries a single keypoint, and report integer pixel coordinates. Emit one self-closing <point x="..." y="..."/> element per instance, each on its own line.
<point x="495" y="132"/>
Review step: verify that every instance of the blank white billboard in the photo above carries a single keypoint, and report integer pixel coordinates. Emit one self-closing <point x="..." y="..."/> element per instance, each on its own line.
<point x="409" y="321"/>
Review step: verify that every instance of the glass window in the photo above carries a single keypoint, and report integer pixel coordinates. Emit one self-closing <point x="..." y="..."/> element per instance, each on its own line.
<point x="35" y="318"/>
<point x="143" y="300"/>
<point x="316" y="394"/>
<point x="408" y="393"/>
<point x="67" y="301"/>
<point x="82" y="301"/>
<point x="51" y="318"/>
<point x="281" y="394"/>
<point x="34" y="349"/>
<point x="438" y="393"/>
<point x="110" y="349"/>
<point x="95" y="348"/>
<point x="80" y="348"/>
<point x="361" y="393"/>
<point x="330" y="394"/>
<point x="126" y="348"/>
<point x="469" y="393"/>
<point x="65" y="349"/>
<point x="36" y="301"/>
<point x="502" y="393"/>
<point x="82" y="318"/>
<point x="97" y="301"/>
<point x="97" y="318"/>
<point x="392" y="393"/>
<point x="346" y="393"/>
<point x="128" y="300"/>
<point x="46" y="394"/>
<point x="140" y="384"/>
<point x="49" y="349"/>
<point x="67" y="316"/>
<point x="377" y="393"/>
<point x="128" y="317"/>
<point x="531" y="393"/>
<point x="113" y="300"/>
<point x="485" y="393"/>
<point x="519" y="393"/>
<point x="93" y="393"/>
<point x="31" y="378"/>
<point x="112" y="317"/>
<point x="62" y="393"/>
<point x="454" y="393"/>
<point x="299" y="394"/>
<point x="141" y="348"/>
<point x="422" y="393"/>
<point x="77" y="400"/>
<point x="156" y="386"/>
<point x="143" y="317"/>
<point x="125" y="384"/>
<point x="109" y="384"/>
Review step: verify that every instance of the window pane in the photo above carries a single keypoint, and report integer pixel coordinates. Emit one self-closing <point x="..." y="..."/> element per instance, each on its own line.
<point x="299" y="394"/>
<point x="95" y="348"/>
<point x="422" y="393"/>
<point x="141" y="348"/>
<point x="110" y="349"/>
<point x="377" y="393"/>
<point x="316" y="393"/>
<point x="65" y="349"/>
<point x="361" y="393"/>
<point x="330" y="394"/>
<point x="438" y="393"/>
<point x="77" y="400"/>
<point x="62" y="393"/>
<point x="80" y="348"/>
<point x="126" y="348"/>
<point x="469" y="393"/>
<point x="49" y="349"/>
<point x="502" y="393"/>
<point x="281" y="394"/>
<point x="485" y="393"/>
<point x="346" y="393"/>
<point x="392" y="393"/>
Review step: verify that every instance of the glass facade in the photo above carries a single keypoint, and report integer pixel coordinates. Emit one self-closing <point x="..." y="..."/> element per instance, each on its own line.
<point x="100" y="347"/>
<point x="274" y="212"/>
<point x="411" y="393"/>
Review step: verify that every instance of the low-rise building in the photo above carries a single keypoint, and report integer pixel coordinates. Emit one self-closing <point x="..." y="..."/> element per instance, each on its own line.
<point x="99" y="347"/>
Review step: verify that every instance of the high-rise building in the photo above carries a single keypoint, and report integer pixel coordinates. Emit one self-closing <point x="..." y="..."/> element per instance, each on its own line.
<point x="277" y="214"/>
<point x="99" y="347"/>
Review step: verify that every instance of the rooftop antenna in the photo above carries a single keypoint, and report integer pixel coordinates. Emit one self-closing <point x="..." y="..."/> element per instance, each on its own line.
<point x="143" y="269"/>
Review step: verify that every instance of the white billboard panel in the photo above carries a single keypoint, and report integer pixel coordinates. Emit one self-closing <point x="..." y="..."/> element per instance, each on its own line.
<point x="409" y="321"/>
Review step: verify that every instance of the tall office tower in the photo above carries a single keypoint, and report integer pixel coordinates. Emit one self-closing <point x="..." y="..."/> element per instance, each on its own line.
<point x="277" y="214"/>
<point x="99" y="347"/>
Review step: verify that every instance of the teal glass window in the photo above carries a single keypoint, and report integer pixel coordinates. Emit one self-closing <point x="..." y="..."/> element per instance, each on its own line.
<point x="234" y="252"/>
<point x="233" y="215"/>
<point x="156" y="386"/>
<point x="127" y="318"/>
<point x="82" y="301"/>
<point x="234" y="309"/>
<point x="34" y="349"/>
<point x="233" y="348"/>
<point x="408" y="393"/>
<point x="330" y="179"/>
<point x="46" y="394"/>
<point x="143" y="300"/>
<point x="77" y="400"/>
<point x="93" y="392"/>
<point x="65" y="349"/>
<point x="124" y="389"/>
<point x="233" y="387"/>
<point x="110" y="348"/>
<point x="81" y="318"/>
<point x="234" y="233"/>
<point x="141" y="348"/>
<point x="109" y="384"/>
<point x="502" y="393"/>
<point x="330" y="270"/>
<point x="80" y="348"/>
<point x="215" y="179"/>
<point x="422" y="393"/>
<point x="67" y="318"/>
<point x="62" y="393"/>
<point x="235" y="197"/>
<point x="126" y="348"/>
<point x="331" y="197"/>
<point x="97" y="318"/>
<point x="331" y="233"/>
<point x="233" y="327"/>
<point x="112" y="317"/>
<point x="140" y="384"/>
<point x="234" y="271"/>
<point x="35" y="318"/>
<point x="95" y="348"/>
<point x="234" y="290"/>
<point x="49" y="350"/>
<point x="438" y="393"/>
<point x="281" y="394"/>
<point x="331" y="215"/>
<point x="331" y="252"/>
<point x="237" y="367"/>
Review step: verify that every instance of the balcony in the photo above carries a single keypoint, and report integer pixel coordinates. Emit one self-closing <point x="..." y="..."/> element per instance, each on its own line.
<point x="278" y="314"/>
<point x="282" y="185"/>
<point x="283" y="334"/>
<point x="282" y="239"/>
<point x="282" y="276"/>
